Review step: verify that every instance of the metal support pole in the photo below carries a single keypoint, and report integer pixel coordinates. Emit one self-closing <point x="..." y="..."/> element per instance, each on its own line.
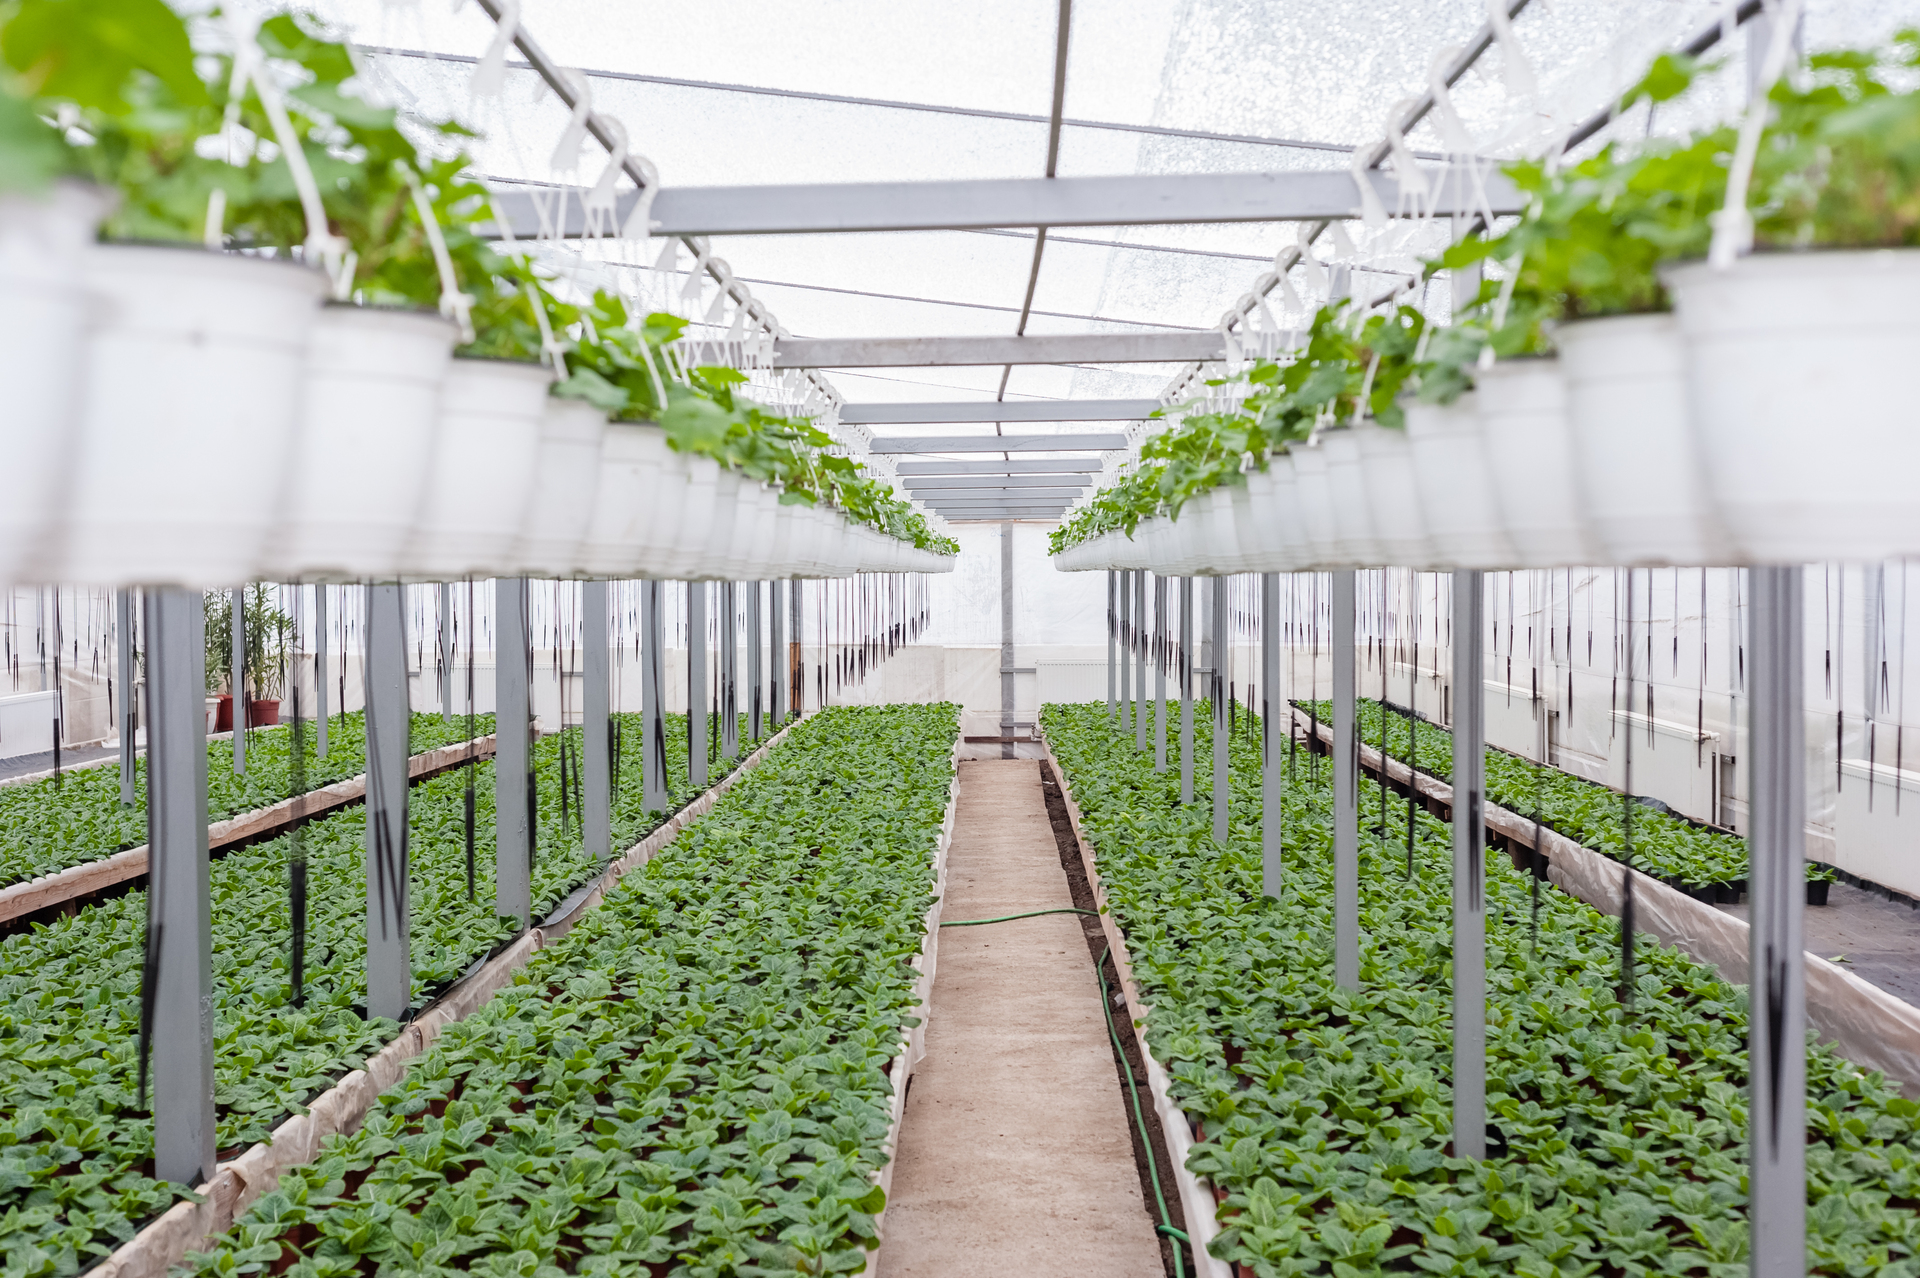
<point x="239" y="681"/>
<point x="653" y="669"/>
<point x="320" y="671"/>
<point x="729" y="671"/>
<point x="512" y="753"/>
<point x="756" y="723"/>
<point x="384" y="676"/>
<point x="1346" y="791"/>
<point x="1222" y="736"/>
<point x="1777" y="1007"/>
<point x="1008" y="687"/>
<point x="1140" y="659"/>
<point x="1469" y="869"/>
<point x="596" y="726"/>
<point x="1126" y="652"/>
<point x="179" y="969"/>
<point x="776" y="649"/>
<point x="1113" y="640"/>
<point x="796" y="652"/>
<point x="1186" y="691"/>
<point x="446" y="652"/>
<point x="1273" y="777"/>
<point x="1159" y="651"/>
<point x="697" y="683"/>
<point x="129" y="715"/>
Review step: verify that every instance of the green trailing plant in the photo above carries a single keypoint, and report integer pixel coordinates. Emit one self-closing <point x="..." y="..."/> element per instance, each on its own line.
<point x="1616" y="1134"/>
<point x="263" y="637"/>
<point x="46" y="827"/>
<point x="74" y="1143"/>
<point x="695" y="1079"/>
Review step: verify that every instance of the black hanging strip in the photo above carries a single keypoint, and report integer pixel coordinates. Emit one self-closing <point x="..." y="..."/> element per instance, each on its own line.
<point x="297" y="846"/>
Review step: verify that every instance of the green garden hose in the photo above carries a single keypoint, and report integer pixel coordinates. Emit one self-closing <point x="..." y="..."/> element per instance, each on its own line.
<point x="1031" y="914"/>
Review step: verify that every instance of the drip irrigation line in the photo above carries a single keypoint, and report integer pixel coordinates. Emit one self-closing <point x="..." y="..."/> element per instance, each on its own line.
<point x="1031" y="914"/>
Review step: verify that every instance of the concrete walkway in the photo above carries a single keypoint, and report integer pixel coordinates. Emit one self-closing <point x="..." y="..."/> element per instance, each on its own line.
<point x="1015" y="1157"/>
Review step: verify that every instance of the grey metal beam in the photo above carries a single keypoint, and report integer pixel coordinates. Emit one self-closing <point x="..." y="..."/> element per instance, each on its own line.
<point x="817" y="208"/>
<point x="1346" y="790"/>
<point x="1469" y="870"/>
<point x="237" y="679"/>
<point x="389" y="965"/>
<point x="596" y="740"/>
<point x="1079" y="443"/>
<point x="934" y="483"/>
<point x="1217" y="659"/>
<point x="1273" y="778"/>
<point x="1186" y="686"/>
<point x="1050" y="410"/>
<point x="934" y="496"/>
<point x="1140" y="641"/>
<point x="512" y="753"/>
<point x="129" y="718"/>
<point x="997" y="503"/>
<point x="1158" y="651"/>
<point x="998" y="516"/>
<point x="1162" y="346"/>
<point x="697" y="683"/>
<point x="320" y="671"/>
<point x="1062" y="466"/>
<point x="729" y="671"/>
<point x="756" y="632"/>
<point x="653" y="671"/>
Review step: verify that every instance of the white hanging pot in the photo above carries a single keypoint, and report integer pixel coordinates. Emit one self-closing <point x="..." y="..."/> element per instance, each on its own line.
<point x="1352" y="507"/>
<point x="765" y="546"/>
<point x="43" y="352"/>
<point x="1223" y="545"/>
<point x="482" y="477"/>
<point x="1523" y="413"/>
<point x="1637" y="459"/>
<point x="669" y="539"/>
<point x="692" y="537"/>
<point x="565" y="478"/>
<point x="1801" y="393"/>
<point x="1316" y="506"/>
<point x="1455" y="485"/>
<point x="629" y="489"/>
<point x="1386" y="473"/>
<point x="1282" y="515"/>
<point x="1247" y="532"/>
<point x="369" y="415"/>
<point x="729" y="536"/>
<point x="192" y="393"/>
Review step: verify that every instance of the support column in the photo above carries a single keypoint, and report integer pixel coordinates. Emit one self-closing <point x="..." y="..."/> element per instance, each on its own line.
<point x="1272" y="775"/>
<point x="129" y="713"/>
<point x="1222" y="735"/>
<point x="320" y="672"/>
<point x="239" y="680"/>
<point x="1346" y="791"/>
<point x="1008" y="688"/>
<point x="596" y="724"/>
<point x="1186" y="691"/>
<point x="776" y="649"/>
<point x="1140" y="645"/>
<point x="697" y="683"/>
<point x="178" y="982"/>
<point x="1469" y="869"/>
<point x="729" y="671"/>
<point x="389" y="965"/>
<point x="446" y="652"/>
<point x="756" y="722"/>
<point x="652" y="699"/>
<point x="1126" y="653"/>
<point x="1113" y="639"/>
<point x="1159" y="650"/>
<point x="512" y="753"/>
<point x="1777" y="1008"/>
<point x="797" y="652"/>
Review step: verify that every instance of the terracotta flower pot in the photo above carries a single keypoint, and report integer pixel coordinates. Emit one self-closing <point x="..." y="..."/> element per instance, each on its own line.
<point x="263" y="713"/>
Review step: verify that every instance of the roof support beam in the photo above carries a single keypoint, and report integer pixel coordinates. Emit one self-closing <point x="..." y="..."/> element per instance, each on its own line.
<point x="980" y="203"/>
<point x="1089" y="443"/>
<point x="1046" y="410"/>
<point x="1167" y="346"/>
<point x="986" y="466"/>
<point x="934" y="483"/>
<point x="947" y="496"/>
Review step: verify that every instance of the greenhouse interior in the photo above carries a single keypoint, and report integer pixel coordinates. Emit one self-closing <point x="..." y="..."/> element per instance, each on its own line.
<point x="1082" y="630"/>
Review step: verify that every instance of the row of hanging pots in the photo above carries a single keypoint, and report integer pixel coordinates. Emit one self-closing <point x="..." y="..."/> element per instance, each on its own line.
<point x="1764" y="421"/>
<point x="359" y="446"/>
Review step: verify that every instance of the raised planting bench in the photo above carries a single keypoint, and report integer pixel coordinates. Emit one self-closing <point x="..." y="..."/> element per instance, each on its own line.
<point x="1321" y="1118"/>
<point x="74" y="1141"/>
<point x="706" y="1070"/>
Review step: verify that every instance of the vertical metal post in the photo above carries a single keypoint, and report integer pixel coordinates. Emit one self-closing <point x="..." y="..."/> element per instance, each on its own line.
<point x="384" y="676"/>
<point x="1777" y="1008"/>
<point x="596" y="727"/>
<point x="512" y="753"/>
<point x="652" y="700"/>
<point x="1007" y="685"/>
<point x="1140" y="645"/>
<point x="1126" y="652"/>
<point x="446" y="652"/>
<point x="697" y="683"/>
<point x="1113" y="640"/>
<point x="129" y="714"/>
<point x="1346" y="790"/>
<point x="179" y="969"/>
<point x="776" y="649"/>
<point x="1222" y="737"/>
<point x="1186" y="691"/>
<point x="1159" y="650"/>
<point x="1272" y="775"/>
<point x="320" y="671"/>
<point x="239" y="681"/>
<point x="729" y="671"/>
<point x="797" y="652"/>
<point x="756" y="723"/>
<point x="1469" y="869"/>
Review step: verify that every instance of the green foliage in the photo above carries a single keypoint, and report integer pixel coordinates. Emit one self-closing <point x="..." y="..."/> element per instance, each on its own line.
<point x="695" y="1078"/>
<point x="72" y="1140"/>
<point x="89" y="52"/>
<point x="1325" y="1114"/>
<point x="263" y="635"/>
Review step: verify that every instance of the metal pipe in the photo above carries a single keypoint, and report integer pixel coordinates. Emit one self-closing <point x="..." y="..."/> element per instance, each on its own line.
<point x="1113" y="638"/>
<point x="776" y="682"/>
<point x="1140" y="645"/>
<point x="1272" y="775"/>
<point x="1777" y="1008"/>
<point x="1469" y="869"/>
<point x="1186" y="691"/>
<point x="320" y="671"/>
<point x="1126" y="652"/>
<point x="446" y="652"/>
<point x="384" y="677"/>
<point x="1159" y="652"/>
<point x="729" y="671"/>
<point x="652" y="697"/>
<point x="756" y="723"/>
<point x="129" y="716"/>
<point x="596" y="724"/>
<point x="237" y="680"/>
<point x="512" y="753"/>
<point x="178" y="984"/>
<point x="697" y="683"/>
<point x="1222" y="737"/>
<point x="1346" y="790"/>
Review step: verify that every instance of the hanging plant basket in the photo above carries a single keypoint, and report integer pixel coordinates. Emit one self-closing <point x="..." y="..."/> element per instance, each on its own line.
<point x="1529" y="448"/>
<point x="1455" y="486"/>
<point x="565" y="476"/>
<point x="1386" y="475"/>
<point x="481" y="483"/>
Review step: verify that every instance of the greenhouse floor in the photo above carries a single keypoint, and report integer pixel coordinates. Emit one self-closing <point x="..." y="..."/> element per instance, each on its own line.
<point x="1880" y="939"/>
<point x="21" y="765"/>
<point x="1015" y="1155"/>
